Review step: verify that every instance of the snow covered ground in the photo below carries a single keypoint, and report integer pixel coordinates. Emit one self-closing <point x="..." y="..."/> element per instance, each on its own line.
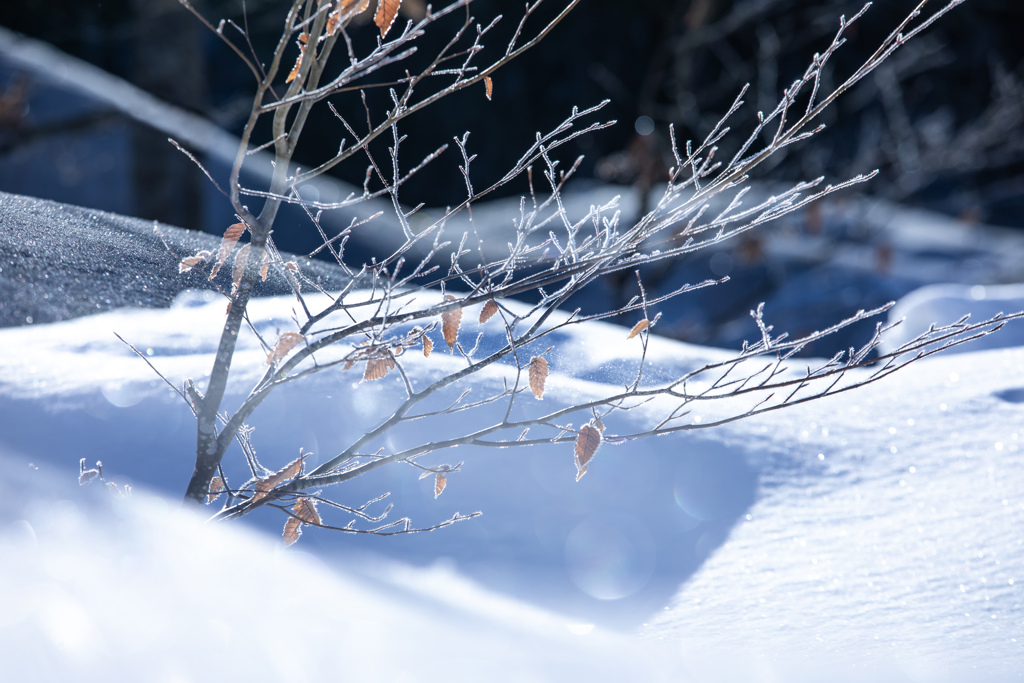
<point x="871" y="536"/>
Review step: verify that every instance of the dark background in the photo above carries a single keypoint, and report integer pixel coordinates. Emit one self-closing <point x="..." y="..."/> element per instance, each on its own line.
<point x="943" y="120"/>
<point x="946" y="133"/>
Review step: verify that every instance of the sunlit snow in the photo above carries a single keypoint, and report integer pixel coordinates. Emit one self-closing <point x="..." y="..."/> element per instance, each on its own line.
<point x="873" y="536"/>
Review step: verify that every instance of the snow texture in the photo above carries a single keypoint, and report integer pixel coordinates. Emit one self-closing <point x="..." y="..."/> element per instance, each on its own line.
<point x="871" y="536"/>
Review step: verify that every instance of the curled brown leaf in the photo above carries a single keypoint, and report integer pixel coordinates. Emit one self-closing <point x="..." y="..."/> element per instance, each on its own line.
<point x="285" y="343"/>
<point x="292" y="531"/>
<point x="440" y="481"/>
<point x="305" y="509"/>
<point x="227" y="245"/>
<point x="587" y="442"/>
<point x="216" y="488"/>
<point x="238" y="270"/>
<point x="488" y="311"/>
<point x="377" y="368"/>
<point x="639" y="327"/>
<point x="450" y="323"/>
<point x="265" y="485"/>
<point x="538" y="374"/>
<point x="387" y="10"/>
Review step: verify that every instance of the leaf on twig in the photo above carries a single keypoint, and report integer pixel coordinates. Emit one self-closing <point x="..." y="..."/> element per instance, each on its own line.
<point x="227" y="245"/>
<point x="292" y="531"/>
<point x="639" y="327"/>
<point x="298" y="62"/>
<point x="440" y="481"/>
<point x="377" y="368"/>
<point x="305" y="509"/>
<point x="216" y="488"/>
<point x="488" y="311"/>
<point x="489" y="86"/>
<point x="189" y="262"/>
<point x="238" y="270"/>
<point x="387" y="10"/>
<point x="85" y="476"/>
<point x="285" y="343"/>
<point x="428" y="346"/>
<point x="586" y="445"/>
<point x="450" y="323"/>
<point x="538" y="373"/>
<point x="265" y="266"/>
<point x="265" y="485"/>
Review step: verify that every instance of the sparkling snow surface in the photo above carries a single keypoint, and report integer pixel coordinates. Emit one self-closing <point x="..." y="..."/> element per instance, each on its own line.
<point x="877" y="535"/>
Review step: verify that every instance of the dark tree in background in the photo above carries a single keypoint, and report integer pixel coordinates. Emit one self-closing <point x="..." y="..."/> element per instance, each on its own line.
<point x="943" y="120"/>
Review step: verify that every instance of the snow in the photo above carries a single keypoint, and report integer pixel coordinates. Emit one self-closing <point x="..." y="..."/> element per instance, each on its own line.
<point x="875" y="535"/>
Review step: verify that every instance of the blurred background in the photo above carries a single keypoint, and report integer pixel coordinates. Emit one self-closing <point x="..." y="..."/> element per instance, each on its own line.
<point x="943" y="120"/>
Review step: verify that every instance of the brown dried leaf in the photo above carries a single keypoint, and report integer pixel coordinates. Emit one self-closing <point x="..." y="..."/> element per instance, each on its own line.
<point x="238" y="270"/>
<point x="387" y="10"/>
<point x="538" y="373"/>
<point x="349" y="364"/>
<point x="440" y="481"/>
<point x="428" y="346"/>
<point x="489" y="86"/>
<point x="298" y="63"/>
<point x="216" y="488"/>
<point x="450" y="323"/>
<point x="190" y="262"/>
<point x="227" y="245"/>
<point x="586" y="445"/>
<point x="333" y="22"/>
<point x="292" y="531"/>
<point x="488" y="311"/>
<point x="377" y="368"/>
<point x="267" y="484"/>
<point x="265" y="267"/>
<point x="285" y="343"/>
<point x="639" y="327"/>
<point x="305" y="509"/>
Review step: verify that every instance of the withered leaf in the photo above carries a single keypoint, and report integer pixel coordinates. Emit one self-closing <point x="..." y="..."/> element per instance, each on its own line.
<point x="377" y="368"/>
<point x="450" y="323"/>
<point x="216" y="488"/>
<point x="488" y="311"/>
<point x="292" y="531"/>
<point x="227" y="245"/>
<point x="285" y="343"/>
<point x="489" y="86"/>
<point x="190" y="262"/>
<point x="266" y="485"/>
<point x="538" y="373"/>
<point x="428" y="346"/>
<point x="238" y="270"/>
<point x="440" y="481"/>
<point x="305" y="509"/>
<point x="387" y="10"/>
<point x="265" y="266"/>
<point x="298" y="63"/>
<point x="639" y="327"/>
<point x="586" y="445"/>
